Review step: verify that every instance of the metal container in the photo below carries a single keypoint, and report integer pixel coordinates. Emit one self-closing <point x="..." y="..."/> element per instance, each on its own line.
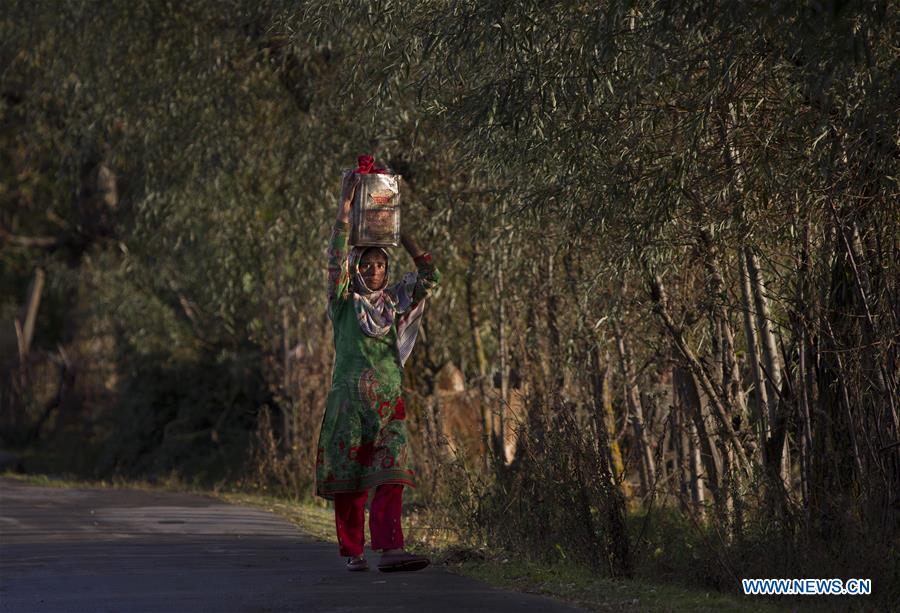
<point x="375" y="214"/>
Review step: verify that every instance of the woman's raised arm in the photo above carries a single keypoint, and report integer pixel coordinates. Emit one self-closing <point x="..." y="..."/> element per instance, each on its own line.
<point x="428" y="277"/>
<point x="349" y="182"/>
<point x="338" y="274"/>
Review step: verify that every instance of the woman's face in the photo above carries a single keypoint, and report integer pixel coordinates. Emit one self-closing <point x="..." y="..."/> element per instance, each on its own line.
<point x="372" y="268"/>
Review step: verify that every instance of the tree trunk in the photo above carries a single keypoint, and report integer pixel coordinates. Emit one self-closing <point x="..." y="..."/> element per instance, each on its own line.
<point x="760" y="398"/>
<point x="25" y="333"/>
<point x="557" y="379"/>
<point x="704" y="457"/>
<point x="498" y="424"/>
<point x="801" y="324"/>
<point x="781" y="460"/>
<point x="658" y="295"/>
<point x="288" y="410"/>
<point x="615" y="500"/>
<point x="646" y="466"/>
<point x="609" y="419"/>
<point x="478" y="350"/>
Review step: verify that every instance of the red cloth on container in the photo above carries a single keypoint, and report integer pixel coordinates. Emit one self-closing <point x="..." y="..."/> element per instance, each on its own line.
<point x="366" y="165"/>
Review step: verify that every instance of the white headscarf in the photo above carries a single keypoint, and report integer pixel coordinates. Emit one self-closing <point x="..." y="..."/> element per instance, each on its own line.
<point x="376" y="310"/>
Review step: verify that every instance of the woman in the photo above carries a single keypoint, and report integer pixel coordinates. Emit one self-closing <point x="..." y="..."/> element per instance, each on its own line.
<point x="363" y="442"/>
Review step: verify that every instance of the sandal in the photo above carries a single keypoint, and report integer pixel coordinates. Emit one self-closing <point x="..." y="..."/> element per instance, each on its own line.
<point x="356" y="564"/>
<point x="393" y="562"/>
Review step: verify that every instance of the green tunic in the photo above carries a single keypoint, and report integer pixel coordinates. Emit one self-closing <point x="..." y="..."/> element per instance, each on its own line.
<point x="363" y="441"/>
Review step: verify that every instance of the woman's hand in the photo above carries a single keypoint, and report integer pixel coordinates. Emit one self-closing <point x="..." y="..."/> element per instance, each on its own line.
<point x="349" y="183"/>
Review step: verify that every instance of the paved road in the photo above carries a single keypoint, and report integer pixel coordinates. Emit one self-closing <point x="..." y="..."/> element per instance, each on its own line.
<point x="110" y="550"/>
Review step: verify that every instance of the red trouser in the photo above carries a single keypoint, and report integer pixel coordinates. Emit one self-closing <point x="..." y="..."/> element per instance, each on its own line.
<point x="384" y="519"/>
